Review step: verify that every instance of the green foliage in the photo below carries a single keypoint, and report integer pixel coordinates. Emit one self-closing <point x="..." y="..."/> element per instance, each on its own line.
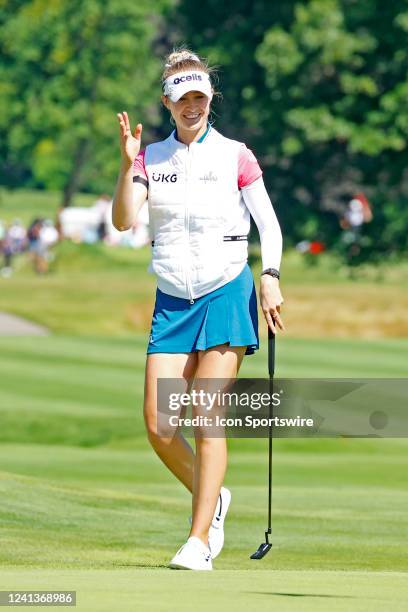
<point x="318" y="89"/>
<point x="70" y="67"/>
<point x="87" y="504"/>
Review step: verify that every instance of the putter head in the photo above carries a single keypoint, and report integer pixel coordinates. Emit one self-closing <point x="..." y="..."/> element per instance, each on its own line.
<point x="264" y="548"/>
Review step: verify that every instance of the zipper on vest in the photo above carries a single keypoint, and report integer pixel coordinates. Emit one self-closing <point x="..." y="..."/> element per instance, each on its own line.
<point x="187" y="226"/>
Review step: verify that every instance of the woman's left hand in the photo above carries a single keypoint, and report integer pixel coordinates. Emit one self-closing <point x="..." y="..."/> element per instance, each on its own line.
<point x="271" y="299"/>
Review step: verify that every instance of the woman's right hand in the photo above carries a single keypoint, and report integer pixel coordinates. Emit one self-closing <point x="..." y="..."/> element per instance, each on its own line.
<point x="129" y="144"/>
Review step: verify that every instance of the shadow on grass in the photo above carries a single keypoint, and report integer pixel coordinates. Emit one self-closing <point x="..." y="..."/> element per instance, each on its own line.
<point x="301" y="594"/>
<point x="144" y="565"/>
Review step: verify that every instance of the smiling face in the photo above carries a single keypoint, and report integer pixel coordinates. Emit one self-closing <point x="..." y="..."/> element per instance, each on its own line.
<point x="190" y="112"/>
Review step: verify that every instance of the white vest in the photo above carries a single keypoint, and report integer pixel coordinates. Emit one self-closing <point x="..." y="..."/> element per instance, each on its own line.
<point x="194" y="206"/>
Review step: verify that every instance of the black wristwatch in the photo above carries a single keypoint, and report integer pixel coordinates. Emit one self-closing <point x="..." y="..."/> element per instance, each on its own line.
<point x="272" y="272"/>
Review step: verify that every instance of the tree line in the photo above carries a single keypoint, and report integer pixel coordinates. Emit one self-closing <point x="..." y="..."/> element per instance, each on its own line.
<point x="318" y="89"/>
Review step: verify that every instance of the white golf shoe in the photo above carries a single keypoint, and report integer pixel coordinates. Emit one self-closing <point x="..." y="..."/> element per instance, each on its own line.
<point x="216" y="531"/>
<point x="193" y="555"/>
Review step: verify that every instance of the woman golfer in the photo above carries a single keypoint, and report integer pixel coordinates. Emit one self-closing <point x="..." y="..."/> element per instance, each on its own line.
<point x="201" y="188"/>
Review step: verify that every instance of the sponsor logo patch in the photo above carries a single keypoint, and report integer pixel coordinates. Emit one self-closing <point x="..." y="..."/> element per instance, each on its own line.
<point x="188" y="77"/>
<point x="164" y="178"/>
<point x="209" y="178"/>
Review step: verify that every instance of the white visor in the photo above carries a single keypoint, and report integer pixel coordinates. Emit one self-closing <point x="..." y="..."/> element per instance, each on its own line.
<point x="180" y="83"/>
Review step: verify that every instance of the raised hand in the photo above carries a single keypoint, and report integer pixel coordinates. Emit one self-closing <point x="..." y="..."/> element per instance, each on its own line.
<point x="129" y="143"/>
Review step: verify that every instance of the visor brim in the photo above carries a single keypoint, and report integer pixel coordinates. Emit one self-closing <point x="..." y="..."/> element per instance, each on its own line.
<point x="176" y="95"/>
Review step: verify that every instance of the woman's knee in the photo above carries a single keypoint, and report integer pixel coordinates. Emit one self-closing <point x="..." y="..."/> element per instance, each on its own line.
<point x="160" y="434"/>
<point x="159" y="442"/>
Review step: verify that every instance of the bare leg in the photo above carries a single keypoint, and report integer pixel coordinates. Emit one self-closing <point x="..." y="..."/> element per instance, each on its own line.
<point x="175" y="451"/>
<point x="211" y="453"/>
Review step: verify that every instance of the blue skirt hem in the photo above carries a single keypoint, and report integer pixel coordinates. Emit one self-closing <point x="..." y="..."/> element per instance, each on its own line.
<point x="251" y="347"/>
<point x="227" y="315"/>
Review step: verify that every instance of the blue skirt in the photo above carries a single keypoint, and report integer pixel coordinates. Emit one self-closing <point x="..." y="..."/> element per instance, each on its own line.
<point x="226" y="315"/>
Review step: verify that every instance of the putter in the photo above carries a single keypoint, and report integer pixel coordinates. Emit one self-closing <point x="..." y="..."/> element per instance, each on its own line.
<point x="266" y="546"/>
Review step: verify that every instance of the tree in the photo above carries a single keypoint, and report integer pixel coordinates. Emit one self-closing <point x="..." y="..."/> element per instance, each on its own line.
<point x="71" y="66"/>
<point x="319" y="90"/>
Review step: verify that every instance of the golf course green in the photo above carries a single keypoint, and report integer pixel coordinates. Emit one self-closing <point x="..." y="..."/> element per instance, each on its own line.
<point x="87" y="506"/>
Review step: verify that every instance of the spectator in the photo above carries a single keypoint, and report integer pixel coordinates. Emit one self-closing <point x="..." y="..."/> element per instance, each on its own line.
<point x="2" y="232"/>
<point x="18" y="236"/>
<point x="44" y="236"/>
<point x="49" y="233"/>
<point x="36" y="247"/>
<point x="357" y="213"/>
<point x="102" y="206"/>
<point x="2" y="236"/>
<point x="13" y="242"/>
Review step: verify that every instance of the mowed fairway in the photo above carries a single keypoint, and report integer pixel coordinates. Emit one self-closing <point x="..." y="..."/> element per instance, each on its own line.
<point x="87" y="506"/>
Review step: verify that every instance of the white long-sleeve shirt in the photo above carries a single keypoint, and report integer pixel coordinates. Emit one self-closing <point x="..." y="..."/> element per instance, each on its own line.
<point x="260" y="206"/>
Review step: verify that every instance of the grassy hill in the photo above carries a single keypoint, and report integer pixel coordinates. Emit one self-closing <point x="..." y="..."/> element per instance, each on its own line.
<point x="88" y="506"/>
<point x="95" y="289"/>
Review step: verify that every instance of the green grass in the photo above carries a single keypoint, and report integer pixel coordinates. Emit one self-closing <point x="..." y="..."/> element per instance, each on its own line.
<point x="26" y="204"/>
<point x="300" y="591"/>
<point x="87" y="505"/>
<point x="95" y="289"/>
<point x="91" y="289"/>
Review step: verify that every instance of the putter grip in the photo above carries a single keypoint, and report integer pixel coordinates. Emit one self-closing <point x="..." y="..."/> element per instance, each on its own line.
<point x="271" y="352"/>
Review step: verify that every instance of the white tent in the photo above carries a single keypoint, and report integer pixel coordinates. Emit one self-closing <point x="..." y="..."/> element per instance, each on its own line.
<point x="81" y="225"/>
